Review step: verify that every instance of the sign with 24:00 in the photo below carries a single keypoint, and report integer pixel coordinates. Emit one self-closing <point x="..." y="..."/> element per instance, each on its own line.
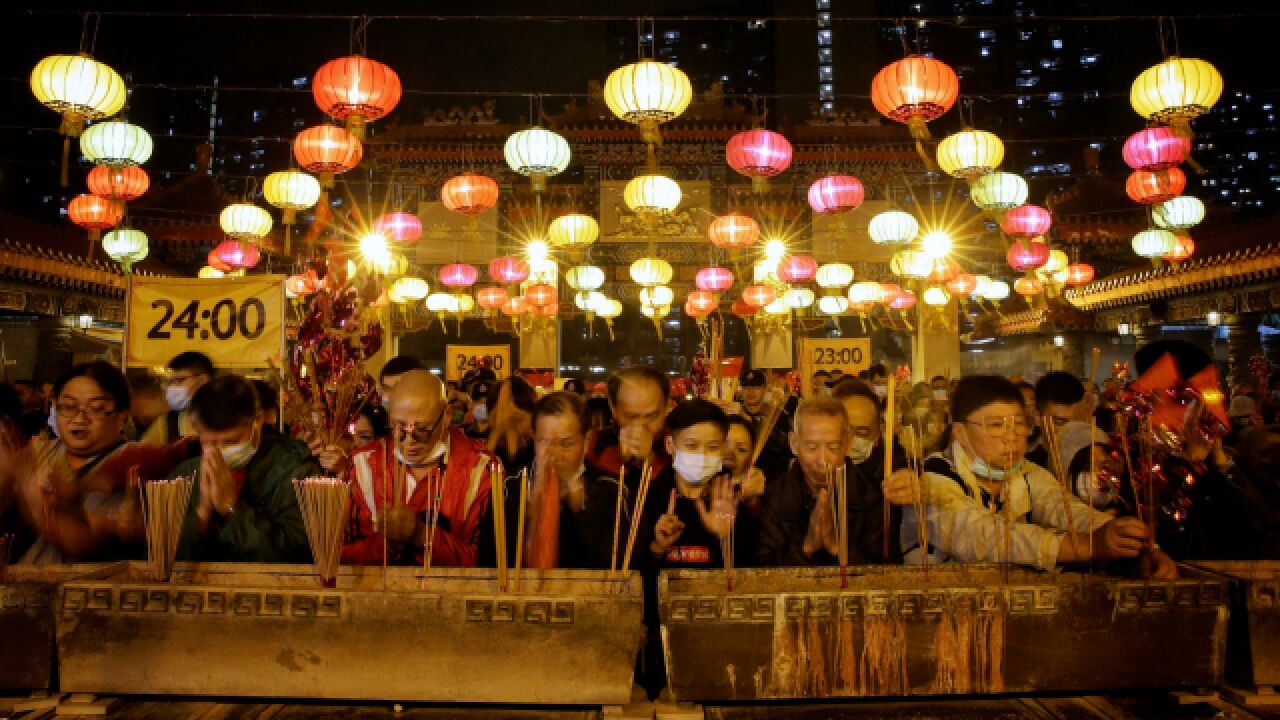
<point x="237" y="322"/>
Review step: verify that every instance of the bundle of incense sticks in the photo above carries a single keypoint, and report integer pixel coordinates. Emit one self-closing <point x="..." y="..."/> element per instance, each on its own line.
<point x="435" y="493"/>
<point x="1058" y="467"/>
<point x="324" y="502"/>
<point x="890" y="423"/>
<point x="838" y="489"/>
<point x="642" y="492"/>
<point x="914" y="461"/>
<point x="767" y="424"/>
<point x="524" y="501"/>
<point x="715" y="345"/>
<point x="727" y="542"/>
<point x="498" y="498"/>
<point x="164" y="509"/>
<point x="617" y="518"/>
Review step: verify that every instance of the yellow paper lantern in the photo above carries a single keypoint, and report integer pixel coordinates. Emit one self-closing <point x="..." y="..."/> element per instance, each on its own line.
<point x="442" y="302"/>
<point x="463" y="303"/>
<point x="997" y="290"/>
<point x="573" y="230"/>
<point x="648" y="93"/>
<point x="537" y="153"/>
<point x="1176" y="90"/>
<point x="408" y="289"/>
<point x="590" y="301"/>
<point x="998" y="191"/>
<point x="834" y="275"/>
<point x="651" y="271"/>
<point x="78" y="87"/>
<point x="126" y="246"/>
<point x="657" y="194"/>
<point x="1154" y="243"/>
<point x="798" y="297"/>
<point x="245" y="221"/>
<point x="765" y="270"/>
<point x="659" y="296"/>
<point x="936" y="296"/>
<point x="1057" y="262"/>
<point x="584" y="277"/>
<point x="291" y="191"/>
<point x="911" y="264"/>
<point x="865" y="293"/>
<point x="116" y="144"/>
<point x="970" y="153"/>
<point x="893" y="227"/>
<point x="777" y="307"/>
<point x="609" y="308"/>
<point x="1178" y="213"/>
<point x="209" y="273"/>
<point x="833" y="305"/>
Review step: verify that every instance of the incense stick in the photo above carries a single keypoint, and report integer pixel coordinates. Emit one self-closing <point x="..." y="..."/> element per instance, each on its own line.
<point x="164" y="509"/>
<point x="646" y="477"/>
<point x="922" y="520"/>
<point x="524" y="498"/>
<point x="1060" y="472"/>
<point x="497" y="498"/>
<point x="766" y="429"/>
<point x="323" y="502"/>
<point x="617" y="518"/>
<point x="842" y="509"/>
<point x="435" y="491"/>
<point x="889" y="424"/>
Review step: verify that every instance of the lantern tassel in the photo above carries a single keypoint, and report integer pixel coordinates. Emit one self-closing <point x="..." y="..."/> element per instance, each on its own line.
<point x="1182" y="127"/>
<point x="920" y="132"/>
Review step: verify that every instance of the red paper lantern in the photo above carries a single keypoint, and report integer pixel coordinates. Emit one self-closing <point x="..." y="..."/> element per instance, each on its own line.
<point x="327" y="149"/>
<point x="1183" y="250"/>
<point x="702" y="300"/>
<point x="734" y="231"/>
<point x="695" y="311"/>
<point x="914" y="90"/>
<point x="356" y="89"/>
<point x="399" y="227"/>
<point x="903" y="301"/>
<point x="469" y="193"/>
<point x="1027" y="256"/>
<point x="508" y="270"/>
<point x="539" y="295"/>
<point x="835" y="194"/>
<point x="123" y="184"/>
<point x="548" y="310"/>
<point x="758" y="153"/>
<point x="796" y="269"/>
<point x="944" y="269"/>
<point x="1028" y="286"/>
<point x="744" y="309"/>
<point x="301" y="285"/>
<point x="1027" y="221"/>
<point x="1079" y="274"/>
<point x="215" y="262"/>
<point x="491" y="297"/>
<point x="458" y="275"/>
<point x="514" y="306"/>
<point x="1156" y="148"/>
<point x="963" y="284"/>
<point x="714" y="279"/>
<point x="238" y="255"/>
<point x="1149" y="188"/>
<point x="889" y="291"/>
<point x="94" y="213"/>
<point x="759" y="295"/>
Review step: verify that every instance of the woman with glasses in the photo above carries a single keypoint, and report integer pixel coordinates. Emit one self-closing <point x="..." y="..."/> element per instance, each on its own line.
<point x="984" y="502"/>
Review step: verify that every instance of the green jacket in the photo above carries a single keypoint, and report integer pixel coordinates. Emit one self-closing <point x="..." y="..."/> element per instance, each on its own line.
<point x="267" y="525"/>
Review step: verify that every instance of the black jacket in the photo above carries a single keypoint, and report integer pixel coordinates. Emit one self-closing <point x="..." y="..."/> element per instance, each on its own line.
<point x="784" y="522"/>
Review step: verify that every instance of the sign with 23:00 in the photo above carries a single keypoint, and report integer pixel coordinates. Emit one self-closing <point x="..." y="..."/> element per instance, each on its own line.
<point x="237" y="322"/>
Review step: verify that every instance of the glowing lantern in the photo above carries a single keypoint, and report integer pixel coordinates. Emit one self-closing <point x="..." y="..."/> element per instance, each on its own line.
<point x="962" y="284"/>
<point x="299" y="285"/>
<point x="936" y="297"/>
<point x="458" y="275"/>
<point x="589" y="301"/>
<point x="1150" y="188"/>
<point x="491" y="298"/>
<point x="970" y="153"/>
<point x="648" y="93"/>
<point x="982" y="284"/>
<point x="1175" y="91"/>
<point x="442" y="303"/>
<point x="833" y="276"/>
<point x="777" y="307"/>
<point x="1027" y="221"/>
<point x="508" y="270"/>
<point x="79" y="88"/>
<point x="942" y="270"/>
<point x="835" y="194"/>
<point x="237" y="255"/>
<point x="911" y="263"/>
<point x="702" y="301"/>
<point x="398" y="227"/>
<point x="915" y="90"/>
<point x="215" y="262"/>
<point x="356" y="89"/>
<point x="291" y="191"/>
<point x="765" y="271"/>
<point x="997" y="290"/>
<point x="1178" y="213"/>
<point x="609" y="309"/>
<point x="116" y="144"/>
<point x="573" y="230"/>
<point x="714" y="279"/>
<point x="1154" y="243"/>
<point x="998" y="191"/>
<point x="1024" y="256"/>
<point x="122" y="184"/>
<point x="1155" y="148"/>
<point x="212" y="273"/>
<point x="1184" y="247"/>
<point x="660" y="296"/>
<point x="734" y="232"/>
<point x="327" y="150"/>
<point x="798" y="297"/>
<point x="936" y="243"/>
<point x="651" y="271"/>
<point x="1056" y="263"/>
<point x="94" y="213"/>
<point x="903" y="301"/>
<point x="759" y="295"/>
<point x="744" y="309"/>
<point x="758" y="154"/>
<point x="514" y="306"/>
<point x="537" y="153"/>
<point x="1028" y="286"/>
<point x="833" y="305"/>
<point x="1079" y="274"/>
<point x="408" y="289"/>
<point x="584" y="277"/>
<point x="795" y="269"/>
<point x="888" y="291"/>
<point x="469" y="193"/>
<point x="544" y="271"/>
<point x="866" y="293"/>
<point x="466" y="303"/>
<point x="539" y="295"/>
<point x="656" y="194"/>
<point x="893" y="227"/>
<point x="126" y="246"/>
<point x="245" y="221"/>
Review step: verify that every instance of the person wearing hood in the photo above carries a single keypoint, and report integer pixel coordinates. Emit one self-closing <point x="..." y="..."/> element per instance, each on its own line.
<point x="188" y="372"/>
<point x="392" y="482"/>
<point x="984" y="502"/>
<point x="1088" y="466"/>
<point x="242" y="506"/>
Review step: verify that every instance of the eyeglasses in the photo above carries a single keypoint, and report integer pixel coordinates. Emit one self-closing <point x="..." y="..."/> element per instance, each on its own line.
<point x="176" y="380"/>
<point x="421" y="432"/>
<point x="998" y="427"/>
<point x="95" y="410"/>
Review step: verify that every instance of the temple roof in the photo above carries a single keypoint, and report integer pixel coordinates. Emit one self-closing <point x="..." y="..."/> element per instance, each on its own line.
<point x="54" y="256"/>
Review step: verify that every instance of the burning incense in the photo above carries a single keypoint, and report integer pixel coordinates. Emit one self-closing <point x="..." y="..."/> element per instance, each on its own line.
<point x="435" y="491"/>
<point x="842" y="512"/>
<point x="646" y="477"/>
<point x="767" y="424"/>
<point x="497" y="497"/>
<point x="617" y="518"/>
<point x="323" y="502"/>
<point x="922" y="521"/>
<point x="524" y="500"/>
<point x="164" y="509"/>
<point x="1058" y="466"/>
<point x="889" y="424"/>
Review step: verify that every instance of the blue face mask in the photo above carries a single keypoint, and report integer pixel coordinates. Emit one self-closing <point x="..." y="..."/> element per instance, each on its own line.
<point x="981" y="468"/>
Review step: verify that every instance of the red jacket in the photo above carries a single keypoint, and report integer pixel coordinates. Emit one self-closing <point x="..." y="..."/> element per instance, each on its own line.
<point x="464" y="500"/>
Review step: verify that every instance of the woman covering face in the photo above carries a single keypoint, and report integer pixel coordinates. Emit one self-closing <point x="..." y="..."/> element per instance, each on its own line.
<point x="737" y="448"/>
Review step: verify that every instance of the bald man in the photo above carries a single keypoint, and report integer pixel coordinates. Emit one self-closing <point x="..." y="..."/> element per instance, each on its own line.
<point x="427" y="473"/>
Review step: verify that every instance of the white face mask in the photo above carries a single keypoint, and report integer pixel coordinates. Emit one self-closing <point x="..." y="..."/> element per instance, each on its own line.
<point x="880" y="390"/>
<point x="386" y="401"/>
<point x="860" y="449"/>
<point x="696" y="468"/>
<point x="436" y="453"/>
<point x="480" y="412"/>
<point x="177" y="397"/>
<point x="237" y="456"/>
<point x="939" y="394"/>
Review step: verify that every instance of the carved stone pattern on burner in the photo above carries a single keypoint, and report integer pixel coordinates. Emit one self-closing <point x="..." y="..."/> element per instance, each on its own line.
<point x="539" y="611"/>
<point x="198" y="601"/>
<point x="1264" y="595"/>
<point x="23" y="597"/>
<point x="1130" y="598"/>
<point x="902" y="603"/>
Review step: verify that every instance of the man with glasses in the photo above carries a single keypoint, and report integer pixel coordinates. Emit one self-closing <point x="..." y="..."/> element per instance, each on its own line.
<point x="188" y="371"/>
<point x="638" y="397"/>
<point x="427" y="474"/>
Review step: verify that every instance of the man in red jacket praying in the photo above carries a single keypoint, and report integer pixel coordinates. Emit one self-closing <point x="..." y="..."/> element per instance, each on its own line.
<point x="426" y="486"/>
